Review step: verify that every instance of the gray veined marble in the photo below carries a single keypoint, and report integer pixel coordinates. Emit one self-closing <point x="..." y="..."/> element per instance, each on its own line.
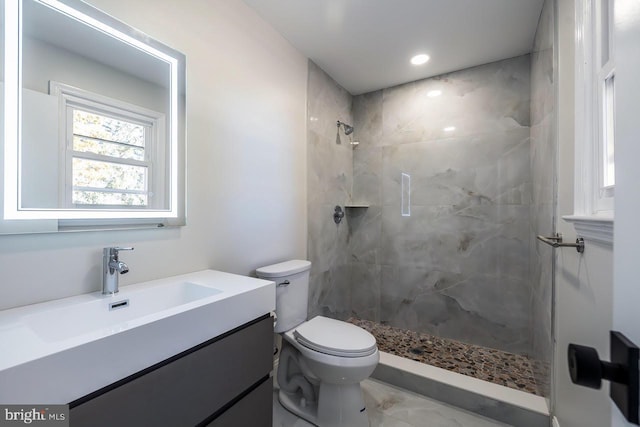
<point x="452" y="254"/>
<point x="367" y="175"/>
<point x="330" y="171"/>
<point x="331" y="294"/>
<point x="389" y="406"/>
<point x="365" y="233"/>
<point x="462" y="398"/>
<point x="327" y="103"/>
<point x="543" y="158"/>
<point x="365" y="300"/>
<point x="329" y="249"/>
<point x="367" y="112"/>
<point x="458" y="265"/>
<point x="484" y="99"/>
<point x="487" y="168"/>
<point x="329" y="183"/>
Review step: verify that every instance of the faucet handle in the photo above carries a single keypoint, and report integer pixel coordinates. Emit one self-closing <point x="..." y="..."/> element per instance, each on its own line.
<point x="118" y="249"/>
<point x="113" y="251"/>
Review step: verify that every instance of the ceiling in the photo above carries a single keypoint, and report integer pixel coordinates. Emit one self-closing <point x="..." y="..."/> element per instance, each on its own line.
<point x="58" y="29"/>
<point x="366" y="45"/>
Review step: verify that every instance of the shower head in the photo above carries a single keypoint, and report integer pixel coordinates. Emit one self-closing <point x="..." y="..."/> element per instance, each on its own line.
<point x="348" y="130"/>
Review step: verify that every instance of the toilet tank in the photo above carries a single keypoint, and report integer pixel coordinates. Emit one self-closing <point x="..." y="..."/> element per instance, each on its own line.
<point x="292" y="291"/>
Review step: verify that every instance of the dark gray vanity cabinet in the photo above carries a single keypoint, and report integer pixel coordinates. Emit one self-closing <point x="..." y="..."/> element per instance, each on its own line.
<point x="222" y="382"/>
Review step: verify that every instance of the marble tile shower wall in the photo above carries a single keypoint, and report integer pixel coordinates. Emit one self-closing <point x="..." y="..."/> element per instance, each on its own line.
<point x="330" y="178"/>
<point x="457" y="264"/>
<point x="543" y="169"/>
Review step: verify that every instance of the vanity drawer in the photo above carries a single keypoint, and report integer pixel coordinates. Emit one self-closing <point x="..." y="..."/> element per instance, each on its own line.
<point x="255" y="409"/>
<point x="186" y="389"/>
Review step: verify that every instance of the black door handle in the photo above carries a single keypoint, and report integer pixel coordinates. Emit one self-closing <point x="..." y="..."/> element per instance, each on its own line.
<point x="586" y="369"/>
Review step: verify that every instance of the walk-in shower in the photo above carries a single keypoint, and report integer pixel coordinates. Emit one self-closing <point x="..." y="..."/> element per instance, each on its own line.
<point x="448" y="272"/>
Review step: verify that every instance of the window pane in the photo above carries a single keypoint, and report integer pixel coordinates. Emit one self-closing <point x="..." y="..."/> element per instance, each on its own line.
<point x="99" y="198"/>
<point x="111" y="149"/>
<point x="609" y="176"/>
<point x="96" y="174"/>
<point x="98" y="126"/>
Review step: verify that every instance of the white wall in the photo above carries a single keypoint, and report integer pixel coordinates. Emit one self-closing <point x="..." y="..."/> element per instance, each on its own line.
<point x="44" y="62"/>
<point x="583" y="289"/>
<point x="246" y="168"/>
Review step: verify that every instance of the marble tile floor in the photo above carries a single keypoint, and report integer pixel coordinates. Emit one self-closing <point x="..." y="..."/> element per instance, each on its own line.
<point x="496" y="366"/>
<point x="389" y="406"/>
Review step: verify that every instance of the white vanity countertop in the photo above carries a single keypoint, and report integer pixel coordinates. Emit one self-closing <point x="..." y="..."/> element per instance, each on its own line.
<point x="55" y="352"/>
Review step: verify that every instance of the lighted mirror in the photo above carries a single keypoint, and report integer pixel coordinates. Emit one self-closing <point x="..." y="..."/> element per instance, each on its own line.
<point x="93" y="119"/>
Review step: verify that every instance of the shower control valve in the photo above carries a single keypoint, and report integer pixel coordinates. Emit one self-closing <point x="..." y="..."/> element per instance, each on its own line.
<point x="338" y="214"/>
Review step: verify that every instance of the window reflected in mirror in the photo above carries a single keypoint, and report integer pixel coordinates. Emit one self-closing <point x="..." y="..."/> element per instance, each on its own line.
<point x="101" y="123"/>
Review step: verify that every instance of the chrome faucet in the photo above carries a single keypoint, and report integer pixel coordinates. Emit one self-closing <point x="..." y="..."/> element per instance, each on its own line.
<point x="111" y="268"/>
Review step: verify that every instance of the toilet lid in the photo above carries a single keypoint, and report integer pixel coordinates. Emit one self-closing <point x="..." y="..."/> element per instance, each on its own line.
<point x="335" y="337"/>
<point x="282" y="269"/>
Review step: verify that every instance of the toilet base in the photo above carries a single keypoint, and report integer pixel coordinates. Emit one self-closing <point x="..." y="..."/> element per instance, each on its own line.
<point x="337" y="406"/>
<point x="292" y="403"/>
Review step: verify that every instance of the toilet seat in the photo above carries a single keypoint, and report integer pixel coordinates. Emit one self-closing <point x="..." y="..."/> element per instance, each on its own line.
<point x="335" y="338"/>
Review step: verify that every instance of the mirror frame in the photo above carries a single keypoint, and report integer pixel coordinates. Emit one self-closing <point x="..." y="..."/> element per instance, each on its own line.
<point x="74" y="219"/>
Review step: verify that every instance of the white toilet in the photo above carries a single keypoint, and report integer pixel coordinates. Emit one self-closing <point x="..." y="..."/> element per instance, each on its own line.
<point x="323" y="360"/>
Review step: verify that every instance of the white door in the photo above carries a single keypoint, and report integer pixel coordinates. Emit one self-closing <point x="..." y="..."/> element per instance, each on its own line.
<point x="626" y="258"/>
<point x="599" y="290"/>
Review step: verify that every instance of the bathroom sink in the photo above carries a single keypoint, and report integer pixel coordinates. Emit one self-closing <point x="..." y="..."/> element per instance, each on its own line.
<point x="59" y="351"/>
<point x="108" y="314"/>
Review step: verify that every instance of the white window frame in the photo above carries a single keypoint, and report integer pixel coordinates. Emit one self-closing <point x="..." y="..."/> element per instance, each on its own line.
<point x="155" y="158"/>
<point x="593" y="204"/>
<point x="603" y="199"/>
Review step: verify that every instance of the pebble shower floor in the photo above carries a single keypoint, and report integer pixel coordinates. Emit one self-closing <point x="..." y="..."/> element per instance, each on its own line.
<point x="496" y="366"/>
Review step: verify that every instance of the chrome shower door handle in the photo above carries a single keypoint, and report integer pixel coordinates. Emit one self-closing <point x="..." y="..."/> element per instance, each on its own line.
<point x="555" y="241"/>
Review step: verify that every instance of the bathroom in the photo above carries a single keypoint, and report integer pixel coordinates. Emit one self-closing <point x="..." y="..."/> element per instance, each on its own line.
<point x="251" y="200"/>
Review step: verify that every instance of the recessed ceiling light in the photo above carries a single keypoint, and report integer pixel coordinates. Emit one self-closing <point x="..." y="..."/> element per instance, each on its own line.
<point x="419" y="59"/>
<point x="434" y="93"/>
<point x="449" y="129"/>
